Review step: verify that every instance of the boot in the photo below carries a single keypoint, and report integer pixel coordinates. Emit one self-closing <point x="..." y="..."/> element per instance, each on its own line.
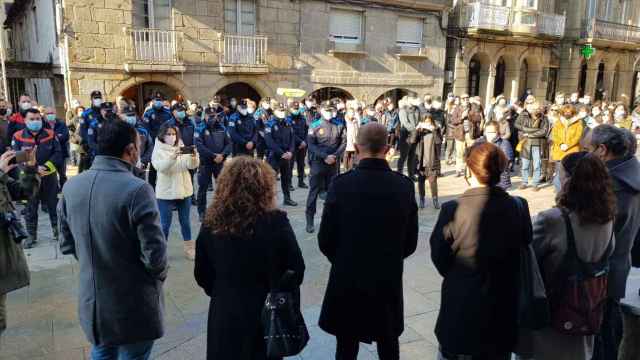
<point x="436" y="204"/>
<point x="291" y="188"/>
<point x="421" y="203"/>
<point x="302" y="185"/>
<point x="310" y="228"/>
<point x="289" y="202"/>
<point x="29" y="242"/>
<point x="190" y="249"/>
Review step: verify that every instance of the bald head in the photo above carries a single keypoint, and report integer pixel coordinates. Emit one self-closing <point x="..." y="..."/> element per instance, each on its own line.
<point x="372" y="141"/>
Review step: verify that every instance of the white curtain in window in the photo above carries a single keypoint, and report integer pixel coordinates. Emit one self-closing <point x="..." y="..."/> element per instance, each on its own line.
<point x="345" y="26"/>
<point x="410" y="31"/>
<point x="153" y="14"/>
<point x="246" y="23"/>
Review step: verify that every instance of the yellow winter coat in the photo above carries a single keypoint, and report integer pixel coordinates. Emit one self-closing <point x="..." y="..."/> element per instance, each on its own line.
<point x="569" y="134"/>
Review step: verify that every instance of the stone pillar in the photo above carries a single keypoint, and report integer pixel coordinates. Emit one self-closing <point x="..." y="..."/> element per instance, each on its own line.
<point x="625" y="81"/>
<point x="512" y="85"/>
<point x="534" y="81"/>
<point x="569" y="72"/>
<point x="461" y="76"/>
<point x="488" y="82"/>
<point x="608" y="83"/>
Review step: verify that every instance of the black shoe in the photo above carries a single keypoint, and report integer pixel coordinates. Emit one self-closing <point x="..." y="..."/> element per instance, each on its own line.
<point x="291" y="188"/>
<point x="289" y="202"/>
<point x="421" y="203"/>
<point x="201" y="217"/>
<point x="436" y="203"/>
<point x="29" y="243"/>
<point x="56" y="235"/>
<point x="310" y="228"/>
<point x="302" y="185"/>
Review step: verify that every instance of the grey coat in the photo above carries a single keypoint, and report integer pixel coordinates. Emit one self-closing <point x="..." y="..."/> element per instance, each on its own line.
<point x="110" y="222"/>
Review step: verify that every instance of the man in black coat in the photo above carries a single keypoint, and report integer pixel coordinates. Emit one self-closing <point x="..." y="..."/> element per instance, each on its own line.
<point x="364" y="298"/>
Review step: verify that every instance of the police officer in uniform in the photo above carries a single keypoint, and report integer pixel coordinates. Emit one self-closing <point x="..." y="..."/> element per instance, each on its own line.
<point x="278" y="134"/>
<point x="154" y="117"/>
<point x="187" y="133"/>
<point x="92" y="125"/>
<point x="89" y="116"/>
<point x="298" y="121"/>
<point x="327" y="140"/>
<point x="262" y="115"/>
<point x="214" y="146"/>
<point x="146" y="144"/>
<point x="49" y="158"/>
<point x="243" y="131"/>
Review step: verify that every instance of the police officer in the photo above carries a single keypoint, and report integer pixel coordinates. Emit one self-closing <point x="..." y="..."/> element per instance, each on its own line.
<point x="262" y="116"/>
<point x="215" y="106"/>
<point x="311" y="110"/>
<point x="327" y="140"/>
<point x="146" y="143"/>
<point x="89" y="116"/>
<point x="62" y="133"/>
<point x="196" y="116"/>
<point x="214" y="146"/>
<point x="91" y="126"/>
<point x="153" y="118"/>
<point x="49" y="158"/>
<point x="298" y="121"/>
<point x="278" y="134"/>
<point x="243" y="131"/>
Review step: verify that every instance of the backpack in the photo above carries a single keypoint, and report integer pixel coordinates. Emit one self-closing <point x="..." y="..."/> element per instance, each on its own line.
<point x="579" y="296"/>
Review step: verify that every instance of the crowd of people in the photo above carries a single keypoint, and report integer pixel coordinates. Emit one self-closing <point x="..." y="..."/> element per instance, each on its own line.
<point x="135" y="171"/>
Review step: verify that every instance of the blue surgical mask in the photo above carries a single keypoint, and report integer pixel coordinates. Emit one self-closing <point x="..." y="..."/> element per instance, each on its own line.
<point x="181" y="114"/>
<point x="295" y="112"/>
<point x="34" y="125"/>
<point x="51" y="117"/>
<point x="132" y="120"/>
<point x="157" y="104"/>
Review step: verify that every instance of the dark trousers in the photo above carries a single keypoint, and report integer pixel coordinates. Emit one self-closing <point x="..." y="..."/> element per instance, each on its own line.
<point x="241" y="150"/>
<point x="608" y="341"/>
<point x="299" y="157"/>
<point x="283" y="166"/>
<point x="407" y="155"/>
<point x="48" y="194"/>
<point x="204" y="180"/>
<point x="319" y="179"/>
<point x="153" y="176"/>
<point x="261" y="148"/>
<point x="62" y="173"/>
<point x="347" y="349"/>
<point x="433" y="185"/>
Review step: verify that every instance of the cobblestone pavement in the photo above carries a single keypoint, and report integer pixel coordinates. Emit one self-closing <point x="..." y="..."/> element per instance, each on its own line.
<point x="43" y="323"/>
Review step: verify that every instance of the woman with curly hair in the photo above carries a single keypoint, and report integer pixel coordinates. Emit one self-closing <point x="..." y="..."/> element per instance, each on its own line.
<point x="245" y="246"/>
<point x="587" y="198"/>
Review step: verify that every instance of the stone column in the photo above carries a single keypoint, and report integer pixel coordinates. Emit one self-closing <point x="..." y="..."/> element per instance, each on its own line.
<point x="461" y="76"/>
<point x="608" y="83"/>
<point x="488" y="82"/>
<point x="590" y="87"/>
<point x="512" y="85"/>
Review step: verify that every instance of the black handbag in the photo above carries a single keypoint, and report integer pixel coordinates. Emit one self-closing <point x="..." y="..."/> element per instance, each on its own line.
<point x="285" y="332"/>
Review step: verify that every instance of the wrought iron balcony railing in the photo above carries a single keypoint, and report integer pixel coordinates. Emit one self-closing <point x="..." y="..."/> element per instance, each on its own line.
<point x="611" y="31"/>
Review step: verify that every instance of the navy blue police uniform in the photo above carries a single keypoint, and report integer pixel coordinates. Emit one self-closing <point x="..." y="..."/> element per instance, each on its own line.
<point x="280" y="139"/>
<point x="325" y="138"/>
<point x="49" y="154"/>
<point x="242" y="129"/>
<point x="298" y="122"/>
<point x="62" y="134"/>
<point x="214" y="141"/>
<point x="262" y="116"/>
<point x="89" y="123"/>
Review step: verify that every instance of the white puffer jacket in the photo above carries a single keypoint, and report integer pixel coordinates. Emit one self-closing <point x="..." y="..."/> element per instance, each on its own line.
<point x="174" y="180"/>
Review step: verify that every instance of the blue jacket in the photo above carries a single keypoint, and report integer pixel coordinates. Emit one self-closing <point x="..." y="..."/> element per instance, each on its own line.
<point x="278" y="134"/>
<point x="89" y="116"/>
<point x="49" y="149"/>
<point x="146" y="143"/>
<point x="187" y="131"/>
<point x="242" y="129"/>
<point x="199" y="124"/>
<point x="154" y="118"/>
<point x="300" y="127"/>
<point x="89" y="131"/>
<point x="214" y="141"/>
<point x="326" y="138"/>
<point x="62" y="133"/>
<point x="393" y="120"/>
<point x="367" y="119"/>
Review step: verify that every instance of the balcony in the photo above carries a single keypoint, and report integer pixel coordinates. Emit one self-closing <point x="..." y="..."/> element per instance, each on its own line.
<point x="610" y="34"/>
<point x="477" y="18"/>
<point x="152" y="50"/>
<point x="241" y="54"/>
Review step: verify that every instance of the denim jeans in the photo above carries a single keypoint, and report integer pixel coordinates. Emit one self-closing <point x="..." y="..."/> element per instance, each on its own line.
<point x="537" y="167"/>
<point x="184" y="212"/>
<point x="137" y="351"/>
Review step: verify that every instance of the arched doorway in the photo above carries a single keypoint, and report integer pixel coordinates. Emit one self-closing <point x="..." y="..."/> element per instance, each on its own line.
<point x="475" y="66"/>
<point x="328" y="93"/>
<point x="616" y="82"/>
<point x="141" y="94"/>
<point x="552" y="84"/>
<point x="523" y="83"/>
<point x="582" y="79"/>
<point x="501" y="68"/>
<point x="600" y="90"/>
<point x="239" y="90"/>
<point x="394" y="95"/>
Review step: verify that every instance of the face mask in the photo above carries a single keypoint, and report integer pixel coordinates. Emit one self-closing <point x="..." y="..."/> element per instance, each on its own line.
<point x="181" y="114"/>
<point x="309" y="104"/>
<point x="131" y="120"/>
<point x="619" y="113"/>
<point x="295" y="112"/>
<point x="340" y="106"/>
<point x="390" y="108"/>
<point x="251" y="110"/>
<point x="437" y="105"/>
<point x="242" y="111"/>
<point x="280" y="114"/>
<point x="3" y="112"/>
<point x="502" y="102"/>
<point x="327" y="115"/>
<point x="25" y="105"/>
<point x="51" y="117"/>
<point x="233" y="104"/>
<point x="491" y="137"/>
<point x="595" y="112"/>
<point x="170" y="139"/>
<point x="157" y="104"/>
<point x="582" y="115"/>
<point x="34" y="125"/>
<point x="96" y="102"/>
<point x="266" y="106"/>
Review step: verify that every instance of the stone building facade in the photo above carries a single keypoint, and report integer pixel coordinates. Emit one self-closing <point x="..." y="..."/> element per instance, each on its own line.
<point x="503" y="48"/>
<point x="250" y="48"/>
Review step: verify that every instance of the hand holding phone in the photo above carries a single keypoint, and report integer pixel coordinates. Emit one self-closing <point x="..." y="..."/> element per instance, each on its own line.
<point x="187" y="149"/>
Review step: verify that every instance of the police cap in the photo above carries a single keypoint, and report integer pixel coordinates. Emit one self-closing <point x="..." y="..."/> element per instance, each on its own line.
<point x="96" y="94"/>
<point x="178" y="107"/>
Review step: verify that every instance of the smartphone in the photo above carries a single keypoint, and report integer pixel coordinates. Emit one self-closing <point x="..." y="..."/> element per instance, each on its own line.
<point x="187" y="149"/>
<point x="21" y="158"/>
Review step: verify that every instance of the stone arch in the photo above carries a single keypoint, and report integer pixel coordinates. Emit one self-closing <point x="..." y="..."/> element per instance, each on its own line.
<point x="263" y="89"/>
<point x="135" y="80"/>
<point x="395" y="93"/>
<point x="331" y="91"/>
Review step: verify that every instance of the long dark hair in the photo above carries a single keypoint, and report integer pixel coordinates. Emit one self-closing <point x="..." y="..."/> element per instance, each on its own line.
<point x="589" y="190"/>
<point x="163" y="131"/>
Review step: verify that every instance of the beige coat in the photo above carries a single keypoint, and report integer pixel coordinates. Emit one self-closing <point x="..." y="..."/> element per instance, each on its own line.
<point x="174" y="179"/>
<point x="550" y="245"/>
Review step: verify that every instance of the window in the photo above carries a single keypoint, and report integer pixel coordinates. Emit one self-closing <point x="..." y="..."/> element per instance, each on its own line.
<point x="409" y="33"/>
<point x="152" y="14"/>
<point x="240" y="17"/>
<point x="529" y="4"/>
<point x="345" y="26"/>
<point x="527" y="19"/>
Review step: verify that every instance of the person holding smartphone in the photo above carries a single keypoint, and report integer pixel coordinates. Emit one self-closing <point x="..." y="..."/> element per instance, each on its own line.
<point x="173" y="160"/>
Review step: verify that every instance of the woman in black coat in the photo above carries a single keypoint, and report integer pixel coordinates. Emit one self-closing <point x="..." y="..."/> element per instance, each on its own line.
<point x="476" y="248"/>
<point x="428" y="158"/>
<point x="244" y="247"/>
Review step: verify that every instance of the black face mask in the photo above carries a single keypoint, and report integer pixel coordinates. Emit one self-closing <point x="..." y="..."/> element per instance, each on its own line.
<point x="3" y="112"/>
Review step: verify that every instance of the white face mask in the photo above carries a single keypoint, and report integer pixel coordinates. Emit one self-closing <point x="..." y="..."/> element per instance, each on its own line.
<point x="327" y="115"/>
<point x="250" y="110"/>
<point x="595" y="112"/>
<point x="280" y="114"/>
<point x="266" y="106"/>
<point x="436" y="105"/>
<point x="25" y="105"/>
<point x="340" y="106"/>
<point x="96" y="102"/>
<point x="619" y="113"/>
<point x="170" y="139"/>
<point x="491" y="137"/>
<point x="582" y="115"/>
<point x="242" y="111"/>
